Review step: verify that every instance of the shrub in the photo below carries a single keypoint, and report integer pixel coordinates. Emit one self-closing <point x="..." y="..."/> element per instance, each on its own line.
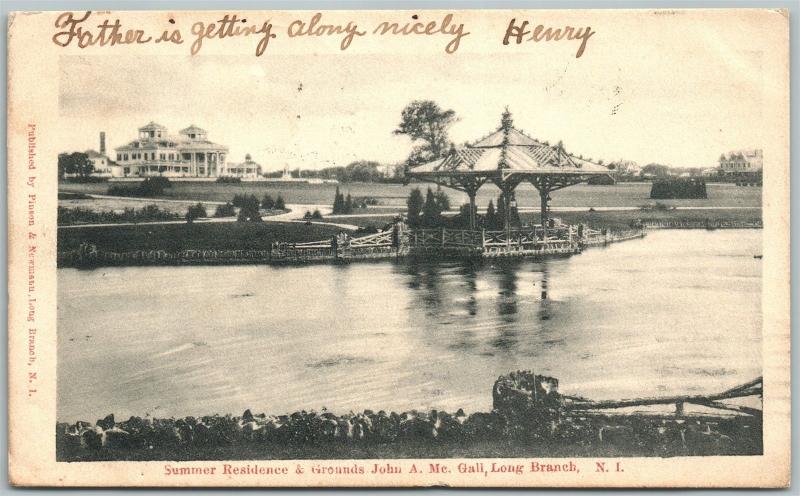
<point x="159" y="182"/>
<point x="80" y="215"/>
<point x="123" y="191"/>
<point x="691" y="188"/>
<point x="195" y="212"/>
<point x="279" y="203"/>
<point x="87" y="179"/>
<point x="267" y="203"/>
<point x="150" y="187"/>
<point x="248" y="209"/>
<point x="604" y="180"/>
<point x="226" y="210"/>
<point x="367" y="230"/>
<point x="316" y="215"/>
<point x="229" y="179"/>
<point x="241" y="201"/>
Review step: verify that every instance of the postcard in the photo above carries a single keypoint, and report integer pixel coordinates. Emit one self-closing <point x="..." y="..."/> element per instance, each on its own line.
<point x="468" y="248"/>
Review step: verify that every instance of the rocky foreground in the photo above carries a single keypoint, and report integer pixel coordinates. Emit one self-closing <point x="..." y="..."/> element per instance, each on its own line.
<point x="529" y="418"/>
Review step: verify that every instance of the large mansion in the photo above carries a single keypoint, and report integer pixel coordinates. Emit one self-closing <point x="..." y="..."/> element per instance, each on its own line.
<point x="156" y="153"/>
<point x="190" y="154"/>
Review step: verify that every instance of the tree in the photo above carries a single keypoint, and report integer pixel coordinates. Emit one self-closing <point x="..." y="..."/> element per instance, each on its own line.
<point x="414" y="204"/>
<point x="657" y="170"/>
<point x="337" y="202"/>
<point x="348" y="204"/>
<point x="464" y="215"/>
<point x="279" y="203"/>
<point x="363" y="171"/>
<point x="491" y="216"/>
<point x="399" y="172"/>
<point x="63" y="160"/>
<point x="442" y="200"/>
<point x="500" y="216"/>
<point x="267" y="203"/>
<point x="424" y="121"/>
<point x="431" y="213"/>
<point x="513" y="212"/>
<point x="75" y="163"/>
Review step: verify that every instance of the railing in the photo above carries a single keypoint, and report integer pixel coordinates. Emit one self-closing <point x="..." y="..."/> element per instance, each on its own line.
<point x="531" y="241"/>
<point x="702" y="224"/>
<point x="593" y="237"/>
<point x="714" y="401"/>
<point x="442" y="238"/>
<point x="316" y="250"/>
<point x="91" y="256"/>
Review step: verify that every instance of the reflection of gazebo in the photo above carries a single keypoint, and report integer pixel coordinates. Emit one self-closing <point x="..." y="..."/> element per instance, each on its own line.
<point x="507" y="158"/>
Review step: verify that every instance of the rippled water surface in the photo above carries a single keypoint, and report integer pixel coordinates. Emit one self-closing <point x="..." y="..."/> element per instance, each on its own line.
<point x="676" y="312"/>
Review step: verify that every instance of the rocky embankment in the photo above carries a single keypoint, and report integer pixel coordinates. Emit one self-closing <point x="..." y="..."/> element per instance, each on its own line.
<point x="529" y="418"/>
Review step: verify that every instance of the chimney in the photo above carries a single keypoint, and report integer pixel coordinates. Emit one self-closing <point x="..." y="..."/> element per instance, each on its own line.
<point x="103" y="142"/>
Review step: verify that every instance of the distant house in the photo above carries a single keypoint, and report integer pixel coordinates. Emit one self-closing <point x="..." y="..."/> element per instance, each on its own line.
<point x="711" y="172"/>
<point x="742" y="162"/>
<point x="628" y="167"/>
<point x="102" y="165"/>
<point x="249" y="169"/>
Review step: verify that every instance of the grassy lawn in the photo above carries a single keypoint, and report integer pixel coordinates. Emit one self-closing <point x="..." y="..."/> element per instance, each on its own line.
<point x="392" y="195"/>
<point x="198" y="236"/>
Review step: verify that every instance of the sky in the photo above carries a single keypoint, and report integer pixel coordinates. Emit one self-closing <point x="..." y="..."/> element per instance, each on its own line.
<point x="656" y="101"/>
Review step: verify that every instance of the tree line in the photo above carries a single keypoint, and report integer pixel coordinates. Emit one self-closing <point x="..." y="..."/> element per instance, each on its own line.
<point x="427" y="212"/>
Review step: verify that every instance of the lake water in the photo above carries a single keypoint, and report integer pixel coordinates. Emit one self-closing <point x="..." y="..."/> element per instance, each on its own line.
<point x="676" y="312"/>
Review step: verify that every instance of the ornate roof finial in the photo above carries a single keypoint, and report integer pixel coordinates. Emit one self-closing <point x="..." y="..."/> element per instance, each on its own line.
<point x="506" y="122"/>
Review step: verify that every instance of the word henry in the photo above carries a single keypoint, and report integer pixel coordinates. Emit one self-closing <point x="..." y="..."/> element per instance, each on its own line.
<point x="541" y="33"/>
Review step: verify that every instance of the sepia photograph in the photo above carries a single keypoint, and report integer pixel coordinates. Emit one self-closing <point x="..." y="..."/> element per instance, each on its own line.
<point x="521" y="259"/>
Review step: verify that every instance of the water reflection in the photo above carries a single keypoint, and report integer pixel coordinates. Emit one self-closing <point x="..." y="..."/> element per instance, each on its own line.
<point x="508" y="298"/>
<point x="544" y="307"/>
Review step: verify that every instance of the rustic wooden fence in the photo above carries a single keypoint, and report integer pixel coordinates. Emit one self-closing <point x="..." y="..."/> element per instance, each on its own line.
<point x="702" y="224"/>
<point x="713" y="401"/>
<point x="529" y="241"/>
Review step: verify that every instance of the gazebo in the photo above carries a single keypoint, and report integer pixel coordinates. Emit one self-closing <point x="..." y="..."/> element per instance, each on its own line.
<point x="507" y="158"/>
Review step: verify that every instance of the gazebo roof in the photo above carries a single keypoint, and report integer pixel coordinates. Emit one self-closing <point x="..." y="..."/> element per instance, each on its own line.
<point x="508" y="150"/>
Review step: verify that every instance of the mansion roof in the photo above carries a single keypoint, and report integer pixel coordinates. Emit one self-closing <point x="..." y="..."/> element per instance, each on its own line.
<point x="181" y="142"/>
<point x="152" y="126"/>
<point x="193" y="130"/>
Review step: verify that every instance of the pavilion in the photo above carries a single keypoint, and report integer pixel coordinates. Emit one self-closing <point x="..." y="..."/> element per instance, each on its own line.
<point x="507" y="158"/>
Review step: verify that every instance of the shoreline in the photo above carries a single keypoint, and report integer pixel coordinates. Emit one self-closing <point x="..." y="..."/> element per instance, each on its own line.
<point x="529" y="418"/>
